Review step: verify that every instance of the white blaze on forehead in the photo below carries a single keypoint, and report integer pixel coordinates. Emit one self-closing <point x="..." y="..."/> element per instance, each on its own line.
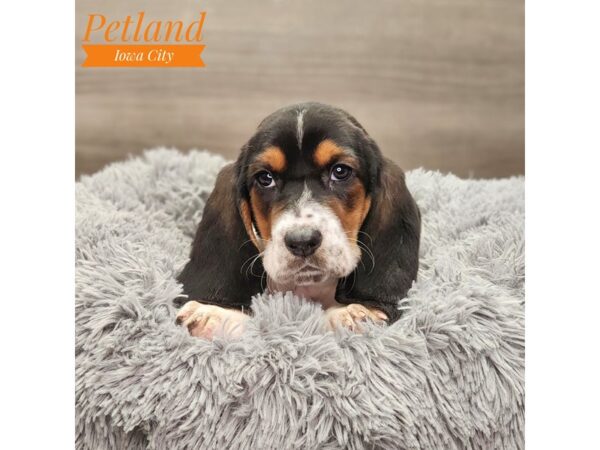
<point x="304" y="198"/>
<point x="300" y="127"/>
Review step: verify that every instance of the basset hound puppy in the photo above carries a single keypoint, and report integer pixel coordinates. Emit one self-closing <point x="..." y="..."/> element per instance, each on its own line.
<point x="310" y="206"/>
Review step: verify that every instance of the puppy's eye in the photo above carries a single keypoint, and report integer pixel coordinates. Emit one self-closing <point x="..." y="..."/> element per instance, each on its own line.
<point x="265" y="179"/>
<point x="340" y="172"/>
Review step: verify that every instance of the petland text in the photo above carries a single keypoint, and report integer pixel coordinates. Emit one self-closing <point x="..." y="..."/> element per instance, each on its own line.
<point x="139" y="42"/>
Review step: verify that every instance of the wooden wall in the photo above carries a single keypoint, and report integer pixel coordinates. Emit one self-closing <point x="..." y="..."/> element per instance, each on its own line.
<point x="437" y="83"/>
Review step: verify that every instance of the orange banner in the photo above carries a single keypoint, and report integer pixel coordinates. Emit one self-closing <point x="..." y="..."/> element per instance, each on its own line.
<point x="143" y="56"/>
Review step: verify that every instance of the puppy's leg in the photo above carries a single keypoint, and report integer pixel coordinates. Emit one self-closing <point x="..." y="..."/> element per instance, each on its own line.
<point x="206" y="321"/>
<point x="350" y="316"/>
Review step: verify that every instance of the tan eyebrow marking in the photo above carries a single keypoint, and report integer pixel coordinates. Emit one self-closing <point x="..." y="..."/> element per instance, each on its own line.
<point x="274" y="158"/>
<point x="325" y="152"/>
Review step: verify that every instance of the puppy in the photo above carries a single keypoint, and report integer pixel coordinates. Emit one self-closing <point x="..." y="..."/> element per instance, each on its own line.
<point x="310" y="206"/>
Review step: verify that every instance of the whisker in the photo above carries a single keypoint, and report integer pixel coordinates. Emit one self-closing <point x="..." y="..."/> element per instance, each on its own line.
<point x="261" y="280"/>
<point x="365" y="247"/>
<point x="372" y="256"/>
<point x="244" y="263"/>
<point x="362" y="263"/>
<point x="367" y="250"/>
<point x="251" y="265"/>
<point x="244" y="243"/>
<point x="361" y="232"/>
<point x="252" y="260"/>
<point x="367" y="235"/>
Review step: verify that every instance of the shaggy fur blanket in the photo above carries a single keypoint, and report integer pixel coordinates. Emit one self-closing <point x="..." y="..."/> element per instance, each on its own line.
<point x="449" y="374"/>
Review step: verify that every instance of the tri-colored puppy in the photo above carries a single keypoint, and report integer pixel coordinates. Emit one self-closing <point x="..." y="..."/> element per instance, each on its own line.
<point x="310" y="206"/>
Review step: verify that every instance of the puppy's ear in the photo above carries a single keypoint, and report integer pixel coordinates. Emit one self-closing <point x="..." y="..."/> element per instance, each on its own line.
<point x="222" y="269"/>
<point x="391" y="232"/>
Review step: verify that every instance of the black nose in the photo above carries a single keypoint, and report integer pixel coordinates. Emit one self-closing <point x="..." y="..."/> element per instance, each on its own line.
<point x="303" y="241"/>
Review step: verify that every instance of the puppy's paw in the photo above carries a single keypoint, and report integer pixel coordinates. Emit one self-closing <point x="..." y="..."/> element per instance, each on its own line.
<point x="351" y="316"/>
<point x="205" y="321"/>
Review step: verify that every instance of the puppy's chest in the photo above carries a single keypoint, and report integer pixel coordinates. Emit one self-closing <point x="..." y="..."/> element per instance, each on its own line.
<point x="322" y="293"/>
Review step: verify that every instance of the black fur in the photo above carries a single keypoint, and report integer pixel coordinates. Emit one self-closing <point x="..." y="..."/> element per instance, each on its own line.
<point x="219" y="271"/>
<point x="394" y="243"/>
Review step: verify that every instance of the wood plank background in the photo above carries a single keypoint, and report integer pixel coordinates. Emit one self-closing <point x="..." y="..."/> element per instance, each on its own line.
<point x="437" y="83"/>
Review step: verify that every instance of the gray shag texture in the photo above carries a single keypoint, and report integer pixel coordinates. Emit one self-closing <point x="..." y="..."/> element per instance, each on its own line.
<point x="449" y="374"/>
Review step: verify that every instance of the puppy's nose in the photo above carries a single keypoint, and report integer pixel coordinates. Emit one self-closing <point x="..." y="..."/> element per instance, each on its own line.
<point x="303" y="241"/>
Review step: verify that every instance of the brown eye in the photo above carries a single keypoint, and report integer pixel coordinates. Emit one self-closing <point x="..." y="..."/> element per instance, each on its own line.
<point x="265" y="179"/>
<point x="340" y="172"/>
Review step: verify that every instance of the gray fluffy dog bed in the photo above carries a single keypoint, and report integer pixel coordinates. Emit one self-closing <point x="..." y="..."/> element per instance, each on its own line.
<point x="448" y="374"/>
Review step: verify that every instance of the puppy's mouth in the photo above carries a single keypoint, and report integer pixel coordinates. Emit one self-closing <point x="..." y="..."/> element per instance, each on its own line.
<point x="308" y="275"/>
<point x="302" y="273"/>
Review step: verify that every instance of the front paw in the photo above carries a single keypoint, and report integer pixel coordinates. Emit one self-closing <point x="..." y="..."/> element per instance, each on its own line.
<point x="205" y="321"/>
<point x="351" y="316"/>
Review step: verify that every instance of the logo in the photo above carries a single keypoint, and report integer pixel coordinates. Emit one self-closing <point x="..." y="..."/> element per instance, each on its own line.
<point x="138" y="42"/>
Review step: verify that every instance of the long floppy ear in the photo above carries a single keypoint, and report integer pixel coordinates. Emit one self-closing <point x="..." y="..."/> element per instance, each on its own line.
<point x="222" y="269"/>
<point x="391" y="231"/>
